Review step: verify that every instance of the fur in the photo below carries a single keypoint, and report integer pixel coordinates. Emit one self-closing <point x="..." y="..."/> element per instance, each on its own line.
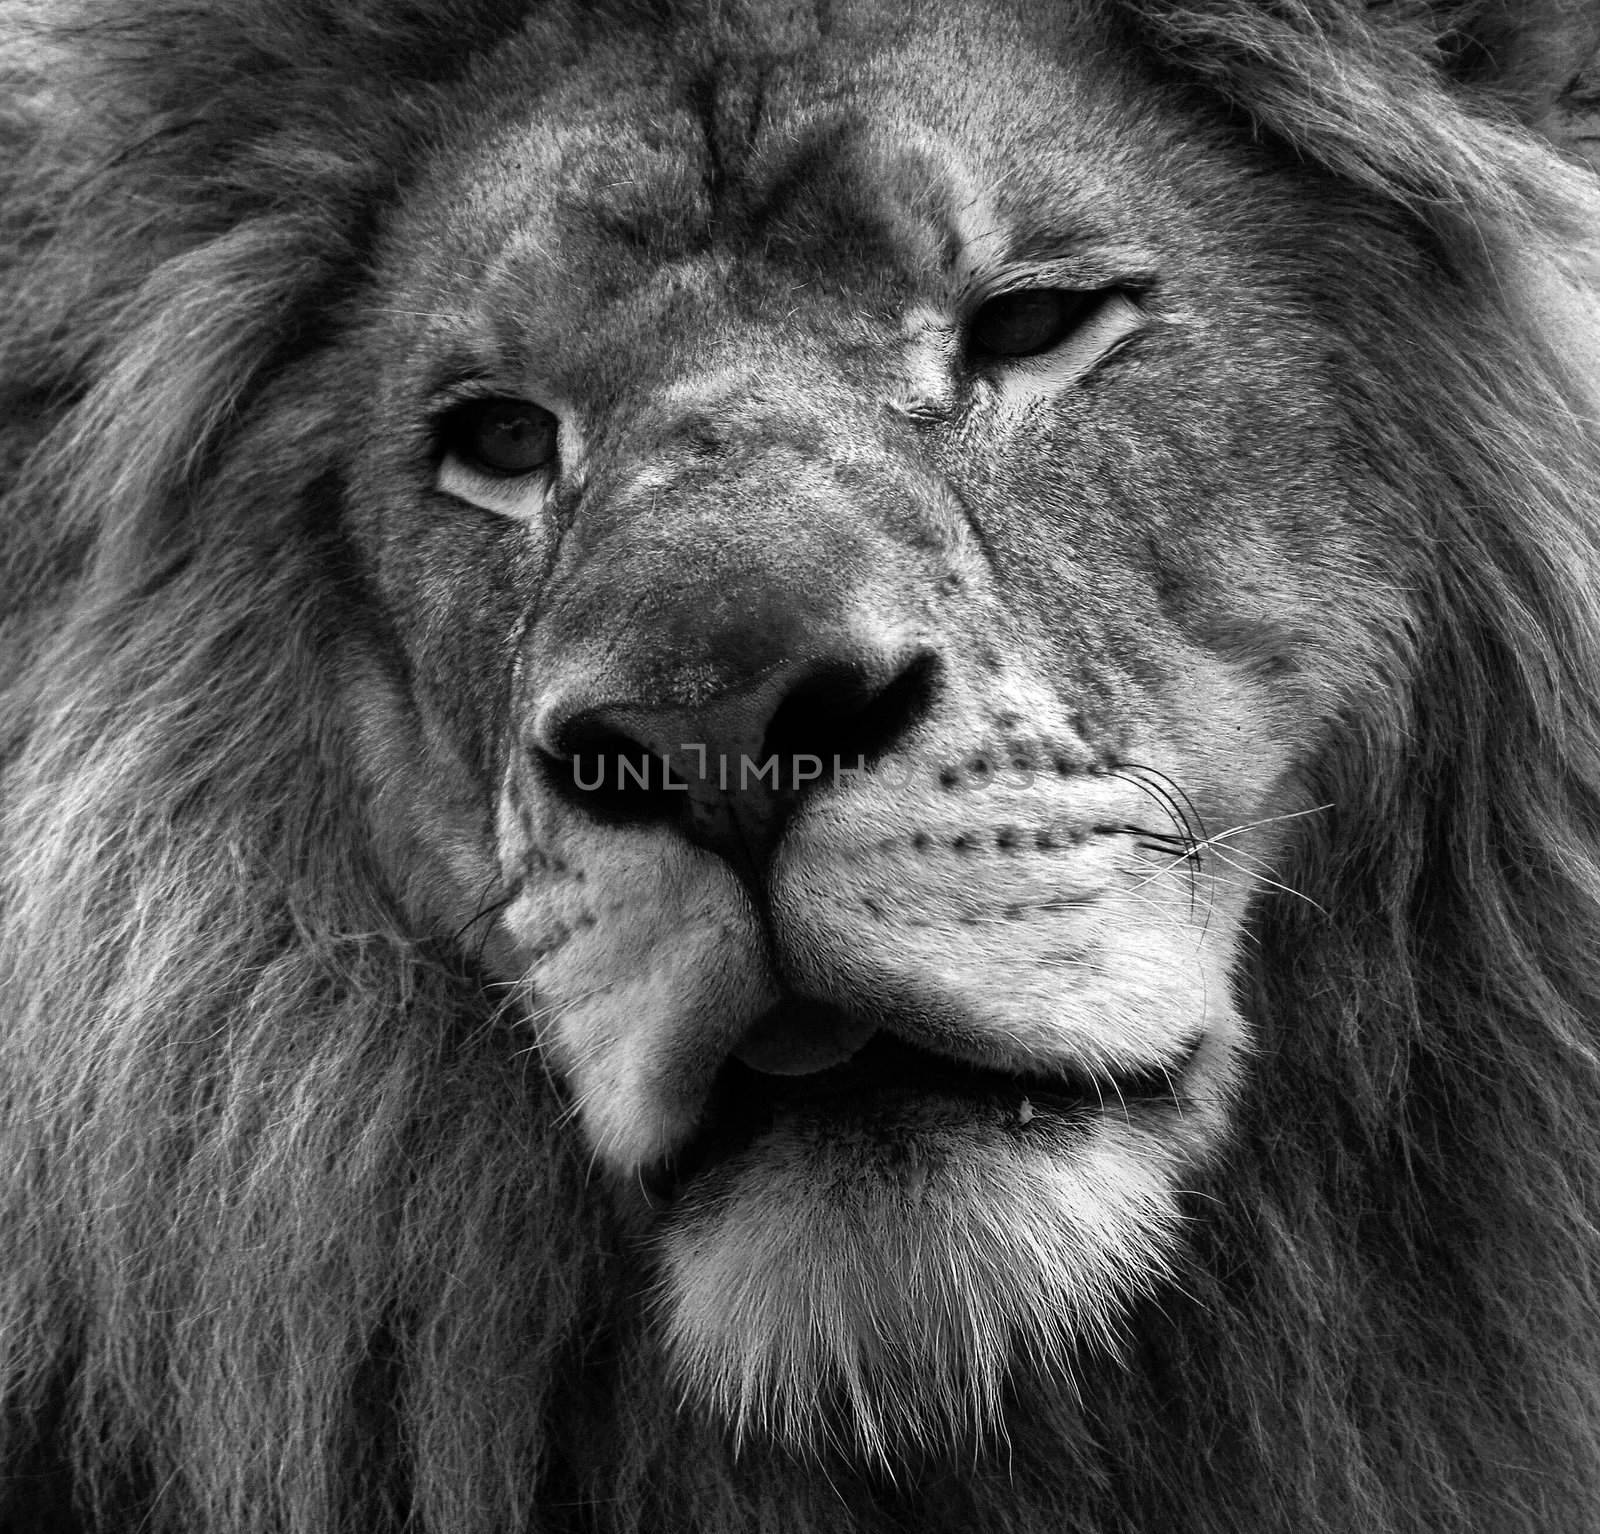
<point x="295" y="1239"/>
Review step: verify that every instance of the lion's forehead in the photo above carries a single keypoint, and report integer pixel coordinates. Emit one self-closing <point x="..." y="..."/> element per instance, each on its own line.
<point x="864" y="163"/>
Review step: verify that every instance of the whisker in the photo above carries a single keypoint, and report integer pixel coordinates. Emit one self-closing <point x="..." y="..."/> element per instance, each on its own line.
<point x="484" y="909"/>
<point x="1179" y="808"/>
<point x="1171" y="807"/>
<point x="1248" y="865"/>
<point x="1188" y="815"/>
<point x="1258" y="877"/>
<point x="1266" y="820"/>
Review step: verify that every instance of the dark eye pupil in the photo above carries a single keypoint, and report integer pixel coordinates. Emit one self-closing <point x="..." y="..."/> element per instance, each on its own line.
<point x="504" y="436"/>
<point x="1023" y="324"/>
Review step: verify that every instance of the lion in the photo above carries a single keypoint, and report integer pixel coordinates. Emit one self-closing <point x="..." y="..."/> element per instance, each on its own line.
<point x="810" y="767"/>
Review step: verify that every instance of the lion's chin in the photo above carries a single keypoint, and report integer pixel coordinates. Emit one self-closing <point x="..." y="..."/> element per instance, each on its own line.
<point x="861" y="1267"/>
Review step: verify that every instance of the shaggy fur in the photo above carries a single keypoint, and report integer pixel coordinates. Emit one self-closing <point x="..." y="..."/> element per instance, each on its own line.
<point x="294" y="1238"/>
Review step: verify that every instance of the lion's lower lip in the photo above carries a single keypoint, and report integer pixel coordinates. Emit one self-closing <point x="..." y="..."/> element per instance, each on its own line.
<point x="886" y="1075"/>
<point x="888" y="1064"/>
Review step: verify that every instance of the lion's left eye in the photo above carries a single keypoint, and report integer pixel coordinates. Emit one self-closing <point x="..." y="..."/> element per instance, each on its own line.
<point x="1027" y="322"/>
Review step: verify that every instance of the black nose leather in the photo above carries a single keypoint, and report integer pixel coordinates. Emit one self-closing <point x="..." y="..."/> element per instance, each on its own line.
<point x="729" y="768"/>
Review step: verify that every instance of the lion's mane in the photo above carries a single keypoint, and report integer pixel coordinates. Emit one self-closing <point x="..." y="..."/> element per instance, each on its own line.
<point x="291" y="1236"/>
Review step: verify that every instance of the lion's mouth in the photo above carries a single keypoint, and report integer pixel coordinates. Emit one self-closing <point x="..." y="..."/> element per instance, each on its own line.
<point x="889" y="1075"/>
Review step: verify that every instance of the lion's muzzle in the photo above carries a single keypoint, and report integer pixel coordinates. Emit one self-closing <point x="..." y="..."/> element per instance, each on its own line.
<point x="779" y="804"/>
<point x="719" y="641"/>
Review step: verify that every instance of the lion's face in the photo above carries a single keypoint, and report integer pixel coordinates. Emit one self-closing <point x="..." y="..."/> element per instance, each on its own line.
<point x="861" y="572"/>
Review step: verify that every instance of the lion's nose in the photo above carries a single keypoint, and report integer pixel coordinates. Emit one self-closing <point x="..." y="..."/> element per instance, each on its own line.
<point x="728" y="769"/>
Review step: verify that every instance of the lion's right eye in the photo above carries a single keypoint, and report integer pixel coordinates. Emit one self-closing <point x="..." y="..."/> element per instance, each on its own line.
<point x="501" y="436"/>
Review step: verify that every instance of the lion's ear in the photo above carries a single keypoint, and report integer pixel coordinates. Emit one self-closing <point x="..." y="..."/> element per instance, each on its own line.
<point x="1532" y="54"/>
